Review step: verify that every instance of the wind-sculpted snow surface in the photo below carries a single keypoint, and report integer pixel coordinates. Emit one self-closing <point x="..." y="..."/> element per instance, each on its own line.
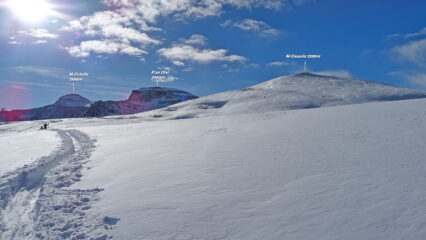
<point x="36" y="203"/>
<point x="353" y="172"/>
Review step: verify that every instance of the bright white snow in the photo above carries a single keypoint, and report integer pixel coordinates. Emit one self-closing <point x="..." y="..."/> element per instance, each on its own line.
<point x="20" y="148"/>
<point x="347" y="172"/>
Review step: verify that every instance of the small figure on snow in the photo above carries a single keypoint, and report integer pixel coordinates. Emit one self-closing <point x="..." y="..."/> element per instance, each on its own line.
<point x="45" y="126"/>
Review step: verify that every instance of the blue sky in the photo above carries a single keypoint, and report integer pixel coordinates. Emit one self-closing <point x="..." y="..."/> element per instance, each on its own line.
<point x="208" y="46"/>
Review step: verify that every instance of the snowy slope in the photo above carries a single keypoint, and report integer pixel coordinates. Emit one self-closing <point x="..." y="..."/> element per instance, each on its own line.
<point x="237" y="165"/>
<point x="303" y="90"/>
<point x="20" y="148"/>
<point x="348" y="172"/>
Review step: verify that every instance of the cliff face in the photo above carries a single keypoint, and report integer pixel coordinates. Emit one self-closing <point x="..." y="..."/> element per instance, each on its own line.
<point x="140" y="100"/>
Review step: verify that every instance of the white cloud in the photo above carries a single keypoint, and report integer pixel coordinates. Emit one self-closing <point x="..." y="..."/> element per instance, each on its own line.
<point x="103" y="47"/>
<point x="74" y="25"/>
<point x="196" y="39"/>
<point x="14" y="42"/>
<point x="132" y="22"/>
<point x="178" y="63"/>
<point x="260" y="27"/>
<point x="127" y="34"/>
<point x="187" y="69"/>
<point x="302" y="2"/>
<point x="414" y="52"/>
<point x="420" y="33"/>
<point x="113" y="25"/>
<point x="335" y="73"/>
<point x="183" y="53"/>
<point x="150" y="10"/>
<point x="394" y="35"/>
<point x="132" y="51"/>
<point x="38" y="33"/>
<point x="112" y="32"/>
<point x="40" y="42"/>
<point x="281" y="63"/>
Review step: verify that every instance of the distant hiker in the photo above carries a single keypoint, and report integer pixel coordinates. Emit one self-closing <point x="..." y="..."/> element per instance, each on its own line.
<point x="45" y="126"/>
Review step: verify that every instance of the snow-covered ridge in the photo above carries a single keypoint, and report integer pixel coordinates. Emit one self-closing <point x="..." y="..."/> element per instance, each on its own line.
<point x="159" y="94"/>
<point x="76" y="106"/>
<point x="73" y="100"/>
<point x="140" y="100"/>
<point x="299" y="91"/>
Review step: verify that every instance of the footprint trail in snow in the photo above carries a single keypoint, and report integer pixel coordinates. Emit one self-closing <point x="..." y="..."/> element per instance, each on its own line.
<point x="37" y="203"/>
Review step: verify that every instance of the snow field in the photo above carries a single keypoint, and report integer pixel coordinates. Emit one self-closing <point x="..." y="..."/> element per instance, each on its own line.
<point x="346" y="172"/>
<point x="20" y="148"/>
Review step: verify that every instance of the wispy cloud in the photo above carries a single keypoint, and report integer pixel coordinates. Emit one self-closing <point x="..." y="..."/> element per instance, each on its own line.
<point x="37" y="70"/>
<point x="251" y="25"/>
<point x="151" y="10"/>
<point x="281" y="63"/>
<point x="420" y="33"/>
<point x="335" y="73"/>
<point x="412" y="54"/>
<point x="413" y="51"/>
<point x="302" y="2"/>
<point x="415" y="77"/>
<point x="196" y="39"/>
<point x="14" y="42"/>
<point x="38" y="33"/>
<point x="39" y="42"/>
<point x="103" y="47"/>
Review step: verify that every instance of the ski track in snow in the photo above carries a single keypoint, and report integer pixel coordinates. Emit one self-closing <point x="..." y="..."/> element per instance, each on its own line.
<point x="36" y="203"/>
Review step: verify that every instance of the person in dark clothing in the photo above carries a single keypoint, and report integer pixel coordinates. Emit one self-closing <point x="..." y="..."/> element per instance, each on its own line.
<point x="45" y="126"/>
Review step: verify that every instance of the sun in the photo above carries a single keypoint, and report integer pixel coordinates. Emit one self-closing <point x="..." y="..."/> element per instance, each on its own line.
<point x="30" y="10"/>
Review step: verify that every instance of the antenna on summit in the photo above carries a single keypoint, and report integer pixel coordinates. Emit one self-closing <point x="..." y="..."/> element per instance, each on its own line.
<point x="76" y="77"/>
<point x="304" y="69"/>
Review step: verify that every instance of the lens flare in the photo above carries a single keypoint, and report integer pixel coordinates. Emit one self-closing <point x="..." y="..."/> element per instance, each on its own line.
<point x="30" y="10"/>
<point x="14" y="96"/>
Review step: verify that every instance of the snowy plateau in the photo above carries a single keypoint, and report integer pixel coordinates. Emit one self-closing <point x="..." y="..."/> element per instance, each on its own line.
<point x="300" y="157"/>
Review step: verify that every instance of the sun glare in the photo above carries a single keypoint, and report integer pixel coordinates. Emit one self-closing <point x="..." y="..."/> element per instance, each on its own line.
<point x="30" y="10"/>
